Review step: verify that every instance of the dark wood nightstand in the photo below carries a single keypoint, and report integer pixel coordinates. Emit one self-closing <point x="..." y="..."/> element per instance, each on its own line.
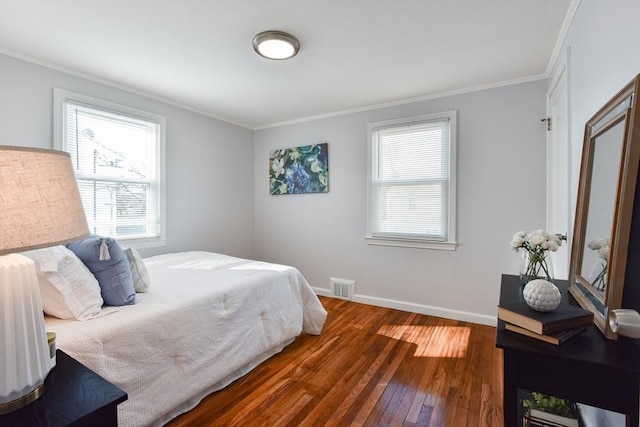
<point x="588" y="368"/>
<point x="73" y="396"/>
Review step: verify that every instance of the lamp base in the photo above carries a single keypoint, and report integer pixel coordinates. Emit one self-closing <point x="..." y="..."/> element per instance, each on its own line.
<point x="24" y="351"/>
<point x="5" y="408"/>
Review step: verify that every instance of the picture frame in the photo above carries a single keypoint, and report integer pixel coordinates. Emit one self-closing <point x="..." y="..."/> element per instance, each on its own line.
<point x="299" y="170"/>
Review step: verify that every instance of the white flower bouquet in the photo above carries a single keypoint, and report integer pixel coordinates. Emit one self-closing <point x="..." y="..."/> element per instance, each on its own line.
<point x="601" y="245"/>
<point x="536" y="244"/>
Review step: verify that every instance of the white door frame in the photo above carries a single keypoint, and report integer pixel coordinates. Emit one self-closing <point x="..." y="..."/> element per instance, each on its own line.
<point x="559" y="216"/>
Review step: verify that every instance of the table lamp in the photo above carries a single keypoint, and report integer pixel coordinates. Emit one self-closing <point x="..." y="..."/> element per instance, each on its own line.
<point x="39" y="206"/>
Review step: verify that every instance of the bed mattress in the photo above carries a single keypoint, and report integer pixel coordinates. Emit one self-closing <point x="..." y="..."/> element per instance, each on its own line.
<point x="207" y="320"/>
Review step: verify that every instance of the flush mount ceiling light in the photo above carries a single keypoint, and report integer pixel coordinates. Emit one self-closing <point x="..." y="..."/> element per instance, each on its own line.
<point x="276" y="45"/>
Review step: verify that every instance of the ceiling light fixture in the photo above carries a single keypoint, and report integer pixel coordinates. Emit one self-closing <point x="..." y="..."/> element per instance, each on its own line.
<point x="276" y="45"/>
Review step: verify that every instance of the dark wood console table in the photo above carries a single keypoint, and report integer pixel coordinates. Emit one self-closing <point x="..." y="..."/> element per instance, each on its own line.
<point x="588" y="368"/>
<point x="73" y="396"/>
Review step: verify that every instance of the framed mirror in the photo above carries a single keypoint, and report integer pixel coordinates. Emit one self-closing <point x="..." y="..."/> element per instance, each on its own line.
<point x="604" y="209"/>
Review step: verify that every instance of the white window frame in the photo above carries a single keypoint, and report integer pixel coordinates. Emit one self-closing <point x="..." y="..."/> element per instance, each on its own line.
<point x="410" y="242"/>
<point x="60" y="96"/>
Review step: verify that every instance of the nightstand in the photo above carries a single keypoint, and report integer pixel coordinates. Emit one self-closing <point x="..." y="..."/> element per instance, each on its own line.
<point x="588" y="368"/>
<point x="73" y="396"/>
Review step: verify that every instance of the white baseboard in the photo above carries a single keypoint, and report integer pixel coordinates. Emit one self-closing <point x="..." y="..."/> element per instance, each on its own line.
<point x="418" y="308"/>
<point x="322" y="292"/>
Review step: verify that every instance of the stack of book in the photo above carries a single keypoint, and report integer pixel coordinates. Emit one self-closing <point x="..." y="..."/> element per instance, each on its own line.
<point x="555" y="327"/>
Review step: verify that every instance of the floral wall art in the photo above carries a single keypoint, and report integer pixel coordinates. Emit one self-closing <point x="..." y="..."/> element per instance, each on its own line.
<point x="299" y="170"/>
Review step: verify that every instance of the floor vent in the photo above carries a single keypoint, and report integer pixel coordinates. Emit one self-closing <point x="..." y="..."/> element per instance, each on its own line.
<point x="342" y="288"/>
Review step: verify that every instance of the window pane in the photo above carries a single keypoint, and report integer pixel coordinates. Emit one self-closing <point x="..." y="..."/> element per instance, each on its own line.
<point x="415" y="152"/>
<point x="117" y="159"/>
<point x="412" y="182"/>
<point x="118" y="209"/>
<point x="104" y="144"/>
<point x="418" y="210"/>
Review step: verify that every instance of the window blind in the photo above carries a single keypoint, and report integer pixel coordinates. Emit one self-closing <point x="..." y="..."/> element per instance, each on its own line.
<point x="117" y="163"/>
<point x="410" y="181"/>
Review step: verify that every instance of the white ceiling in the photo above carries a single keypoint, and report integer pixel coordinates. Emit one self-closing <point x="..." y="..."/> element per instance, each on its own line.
<point x="354" y="54"/>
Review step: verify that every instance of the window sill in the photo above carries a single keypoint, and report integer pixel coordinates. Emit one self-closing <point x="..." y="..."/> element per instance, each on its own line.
<point x="142" y="243"/>
<point x="408" y="243"/>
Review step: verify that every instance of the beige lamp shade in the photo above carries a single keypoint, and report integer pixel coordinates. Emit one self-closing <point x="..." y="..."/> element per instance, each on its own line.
<point x="39" y="200"/>
<point x="39" y="206"/>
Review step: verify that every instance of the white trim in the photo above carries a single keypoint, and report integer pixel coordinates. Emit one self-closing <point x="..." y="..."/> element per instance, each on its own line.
<point x="61" y="95"/>
<point x="570" y="213"/>
<point x="168" y="101"/>
<point x="116" y="85"/>
<point x="448" y="245"/>
<point x="138" y="244"/>
<point x="558" y="70"/>
<point x="462" y="91"/>
<point x="407" y="243"/>
<point x="566" y="24"/>
<point x="561" y="69"/>
<point x="410" y="307"/>
<point x="322" y="292"/>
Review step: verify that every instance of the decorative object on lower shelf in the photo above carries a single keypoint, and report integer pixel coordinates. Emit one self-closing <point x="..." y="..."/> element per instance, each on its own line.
<point x="541" y="295"/>
<point x="543" y="419"/>
<point x="591" y="416"/>
<point x="547" y="411"/>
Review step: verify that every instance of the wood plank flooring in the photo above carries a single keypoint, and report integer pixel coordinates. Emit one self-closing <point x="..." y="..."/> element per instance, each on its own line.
<point x="371" y="366"/>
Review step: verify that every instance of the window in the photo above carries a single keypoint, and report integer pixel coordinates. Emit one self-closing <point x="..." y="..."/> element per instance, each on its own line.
<point x="118" y="157"/>
<point x="411" y="187"/>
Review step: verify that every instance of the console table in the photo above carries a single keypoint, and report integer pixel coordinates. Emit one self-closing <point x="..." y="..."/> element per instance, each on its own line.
<point x="588" y="368"/>
<point x="73" y="396"/>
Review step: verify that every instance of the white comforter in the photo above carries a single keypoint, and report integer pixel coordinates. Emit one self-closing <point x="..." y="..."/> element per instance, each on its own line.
<point x="207" y="320"/>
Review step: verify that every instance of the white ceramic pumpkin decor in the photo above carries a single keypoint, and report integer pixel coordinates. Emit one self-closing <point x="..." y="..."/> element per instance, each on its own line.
<point x="541" y="295"/>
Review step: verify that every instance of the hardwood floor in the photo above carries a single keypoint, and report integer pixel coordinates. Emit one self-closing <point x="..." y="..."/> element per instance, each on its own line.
<point x="371" y="366"/>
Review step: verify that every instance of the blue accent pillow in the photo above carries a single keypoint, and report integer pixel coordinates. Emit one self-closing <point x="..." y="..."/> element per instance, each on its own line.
<point x="113" y="274"/>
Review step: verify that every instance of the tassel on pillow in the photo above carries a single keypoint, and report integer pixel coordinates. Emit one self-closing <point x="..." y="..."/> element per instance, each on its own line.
<point x="104" y="251"/>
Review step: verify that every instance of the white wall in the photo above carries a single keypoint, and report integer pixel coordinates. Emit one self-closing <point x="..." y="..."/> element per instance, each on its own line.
<point x="603" y="45"/>
<point x="501" y="190"/>
<point x="501" y="176"/>
<point x="209" y="162"/>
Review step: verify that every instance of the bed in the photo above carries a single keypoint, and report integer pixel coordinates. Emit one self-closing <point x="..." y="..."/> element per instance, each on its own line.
<point x="207" y="320"/>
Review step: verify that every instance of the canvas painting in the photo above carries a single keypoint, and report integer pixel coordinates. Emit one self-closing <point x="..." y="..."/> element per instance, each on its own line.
<point x="299" y="170"/>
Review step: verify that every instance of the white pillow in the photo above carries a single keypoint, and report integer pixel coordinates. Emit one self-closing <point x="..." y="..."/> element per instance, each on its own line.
<point x="67" y="287"/>
<point x="139" y="272"/>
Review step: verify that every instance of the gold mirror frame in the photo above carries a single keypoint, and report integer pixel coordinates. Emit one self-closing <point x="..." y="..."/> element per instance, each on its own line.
<point x="622" y="110"/>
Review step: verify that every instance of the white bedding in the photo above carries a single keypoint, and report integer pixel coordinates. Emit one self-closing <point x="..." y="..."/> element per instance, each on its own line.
<point x="206" y="320"/>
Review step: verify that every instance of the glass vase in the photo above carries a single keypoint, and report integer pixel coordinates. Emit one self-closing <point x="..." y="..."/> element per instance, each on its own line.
<point x="535" y="265"/>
